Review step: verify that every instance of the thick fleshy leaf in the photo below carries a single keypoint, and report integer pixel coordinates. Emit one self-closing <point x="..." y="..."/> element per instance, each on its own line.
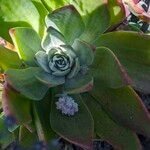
<point x="53" y="38"/>
<point x="41" y="118"/>
<point x="6" y="137"/>
<point x="75" y="69"/>
<point x="84" y="51"/>
<point x="27" y="42"/>
<point x="49" y="79"/>
<point x="15" y="13"/>
<point x="107" y="70"/>
<point x="42" y="59"/>
<point x="108" y="130"/>
<point x="68" y="21"/>
<point x="25" y="82"/>
<point x="132" y="112"/>
<point x="79" y="84"/>
<point x="134" y="57"/>
<point x="11" y="99"/>
<point x="5" y="55"/>
<point x="77" y="129"/>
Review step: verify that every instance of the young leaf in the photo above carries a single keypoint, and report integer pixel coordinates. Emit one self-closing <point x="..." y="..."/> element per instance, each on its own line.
<point x="27" y="42"/>
<point x="108" y="130"/>
<point x="77" y="129"/>
<point x="68" y="21"/>
<point x="52" y="38"/>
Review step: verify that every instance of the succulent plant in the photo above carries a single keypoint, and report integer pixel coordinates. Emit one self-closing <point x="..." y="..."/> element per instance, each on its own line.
<point x="66" y="72"/>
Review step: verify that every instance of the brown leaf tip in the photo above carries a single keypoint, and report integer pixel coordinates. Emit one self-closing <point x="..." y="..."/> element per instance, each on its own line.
<point x="12" y="31"/>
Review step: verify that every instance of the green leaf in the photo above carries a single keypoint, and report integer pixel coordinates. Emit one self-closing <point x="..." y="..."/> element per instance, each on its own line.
<point x="42" y="60"/>
<point x="6" y="137"/>
<point x="83" y="49"/>
<point x="26" y="138"/>
<point x="68" y="21"/>
<point x="5" y="55"/>
<point x="27" y="42"/>
<point x="42" y="12"/>
<point x="125" y="107"/>
<point x="117" y="12"/>
<point x="77" y="129"/>
<point x="108" y="130"/>
<point x="107" y="70"/>
<point x="11" y="99"/>
<point x="99" y="15"/>
<point x="54" y="4"/>
<point x="41" y="118"/>
<point x="134" y="57"/>
<point x="49" y="79"/>
<point x="19" y="13"/>
<point x="79" y="84"/>
<point x="53" y="38"/>
<point x="25" y="82"/>
<point x="85" y="7"/>
<point x="97" y="22"/>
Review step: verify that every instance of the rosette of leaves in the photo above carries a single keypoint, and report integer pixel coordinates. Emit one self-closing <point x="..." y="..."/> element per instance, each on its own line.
<point x="71" y="50"/>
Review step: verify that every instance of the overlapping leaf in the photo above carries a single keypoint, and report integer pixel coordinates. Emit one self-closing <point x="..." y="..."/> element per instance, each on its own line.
<point x="26" y="83"/>
<point x="107" y="70"/>
<point x="133" y="50"/>
<point x="108" y="130"/>
<point x="68" y="21"/>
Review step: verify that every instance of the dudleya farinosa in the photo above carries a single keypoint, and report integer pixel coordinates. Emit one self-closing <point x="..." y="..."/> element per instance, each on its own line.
<point x="65" y="64"/>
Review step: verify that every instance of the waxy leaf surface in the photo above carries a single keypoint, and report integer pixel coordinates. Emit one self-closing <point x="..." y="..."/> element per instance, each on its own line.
<point x="25" y="82"/>
<point x="68" y="21"/>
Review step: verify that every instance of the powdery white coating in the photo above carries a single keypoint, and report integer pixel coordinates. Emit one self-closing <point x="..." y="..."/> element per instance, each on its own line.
<point x="67" y="105"/>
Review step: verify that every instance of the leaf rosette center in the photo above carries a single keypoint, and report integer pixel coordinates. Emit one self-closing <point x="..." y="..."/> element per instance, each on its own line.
<point x="59" y="61"/>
